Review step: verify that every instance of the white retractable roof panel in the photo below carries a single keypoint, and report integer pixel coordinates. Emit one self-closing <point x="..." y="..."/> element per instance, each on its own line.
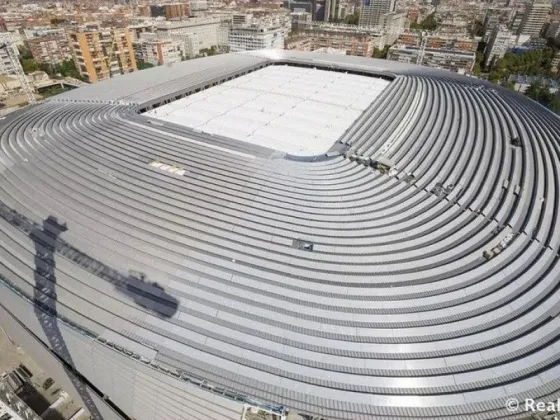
<point x="300" y="111"/>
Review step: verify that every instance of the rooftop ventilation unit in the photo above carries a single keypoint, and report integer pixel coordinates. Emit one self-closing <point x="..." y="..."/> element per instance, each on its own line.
<point x="303" y="245"/>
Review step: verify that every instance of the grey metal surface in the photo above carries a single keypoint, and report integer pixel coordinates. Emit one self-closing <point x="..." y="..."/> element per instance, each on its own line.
<point x="392" y="313"/>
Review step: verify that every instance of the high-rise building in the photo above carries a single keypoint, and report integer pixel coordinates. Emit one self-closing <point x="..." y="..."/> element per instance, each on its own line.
<point x="331" y="9"/>
<point x="51" y="49"/>
<point x="372" y="10"/>
<point x="500" y="40"/>
<point x="535" y="17"/>
<point x="255" y="37"/>
<point x="102" y="53"/>
<point x="3" y="27"/>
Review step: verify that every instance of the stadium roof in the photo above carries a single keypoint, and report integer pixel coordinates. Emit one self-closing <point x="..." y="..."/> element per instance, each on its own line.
<point x="425" y="289"/>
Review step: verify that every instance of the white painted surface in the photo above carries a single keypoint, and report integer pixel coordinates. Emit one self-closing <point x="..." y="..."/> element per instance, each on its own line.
<point x="299" y="111"/>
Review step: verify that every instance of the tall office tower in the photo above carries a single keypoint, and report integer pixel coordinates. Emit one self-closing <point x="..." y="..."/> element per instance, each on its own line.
<point x="372" y="10"/>
<point x="536" y="15"/>
<point x="331" y="9"/>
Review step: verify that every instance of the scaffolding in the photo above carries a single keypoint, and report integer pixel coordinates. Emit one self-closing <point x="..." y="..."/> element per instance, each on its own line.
<point x="7" y="42"/>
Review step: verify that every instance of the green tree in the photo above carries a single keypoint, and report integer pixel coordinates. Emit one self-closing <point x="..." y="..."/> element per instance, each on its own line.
<point x="57" y="21"/>
<point x="141" y="65"/>
<point x="381" y="53"/>
<point x="476" y="28"/>
<point x="29" y="65"/>
<point x="352" y="19"/>
<point x="429" y="23"/>
<point x="24" y="52"/>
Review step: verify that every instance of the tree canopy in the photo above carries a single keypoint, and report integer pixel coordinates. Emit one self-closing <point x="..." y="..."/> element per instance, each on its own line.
<point x="542" y="94"/>
<point x="352" y="19"/>
<point x="142" y="65"/>
<point x="530" y="63"/>
<point x="429" y="23"/>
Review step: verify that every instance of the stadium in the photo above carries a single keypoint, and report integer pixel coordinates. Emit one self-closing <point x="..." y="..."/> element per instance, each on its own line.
<point x="285" y="235"/>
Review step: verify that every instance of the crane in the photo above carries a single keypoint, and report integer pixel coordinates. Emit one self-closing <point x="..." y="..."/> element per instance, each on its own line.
<point x="8" y="44"/>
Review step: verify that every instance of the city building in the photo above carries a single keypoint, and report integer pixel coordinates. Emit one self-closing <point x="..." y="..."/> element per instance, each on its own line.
<point x="555" y="65"/>
<point x="3" y="27"/>
<point x="299" y="43"/>
<point x="6" y="66"/>
<point x="149" y="49"/>
<point x="169" y="10"/>
<point x="394" y="24"/>
<point x="205" y="32"/>
<point x="285" y="235"/>
<point x="536" y="15"/>
<point x="50" y="49"/>
<point x="494" y="17"/>
<point x="454" y="60"/>
<point x="300" y="20"/>
<point x="331" y="10"/>
<point x="301" y="6"/>
<point x="102" y="53"/>
<point x="500" y="41"/>
<point x="353" y="39"/>
<point x="414" y="39"/>
<point x="372" y="11"/>
<point x="516" y="21"/>
<point x="198" y="8"/>
<point x="12" y="407"/>
<point x="255" y="37"/>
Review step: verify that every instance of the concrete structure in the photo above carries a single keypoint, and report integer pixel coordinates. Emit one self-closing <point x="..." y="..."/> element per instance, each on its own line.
<point x="169" y="10"/>
<point x="454" y="60"/>
<point x="410" y="272"/>
<point x="556" y="63"/>
<point x="372" y="11"/>
<point x="255" y="37"/>
<point x="12" y="407"/>
<point x="413" y="39"/>
<point x="516" y="21"/>
<point x="300" y="20"/>
<point x="500" y="41"/>
<point x="102" y="53"/>
<point x="149" y="49"/>
<point x="6" y="66"/>
<point x="353" y="39"/>
<point x="205" y="32"/>
<point x="331" y="9"/>
<point x="50" y="49"/>
<point x="536" y="14"/>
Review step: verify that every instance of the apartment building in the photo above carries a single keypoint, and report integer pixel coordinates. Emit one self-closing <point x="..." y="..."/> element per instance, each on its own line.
<point x="51" y="49"/>
<point x="352" y="39"/>
<point x="413" y="39"/>
<point x="255" y="37"/>
<point x="150" y="49"/>
<point x="6" y="66"/>
<point x="500" y="41"/>
<point x="101" y="53"/>
<point x="206" y="32"/>
<point x="536" y="14"/>
<point x="169" y="10"/>
<point x="372" y="10"/>
<point x="453" y="60"/>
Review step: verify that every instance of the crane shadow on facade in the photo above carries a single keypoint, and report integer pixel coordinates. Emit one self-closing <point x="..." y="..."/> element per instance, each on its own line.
<point x="48" y="245"/>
